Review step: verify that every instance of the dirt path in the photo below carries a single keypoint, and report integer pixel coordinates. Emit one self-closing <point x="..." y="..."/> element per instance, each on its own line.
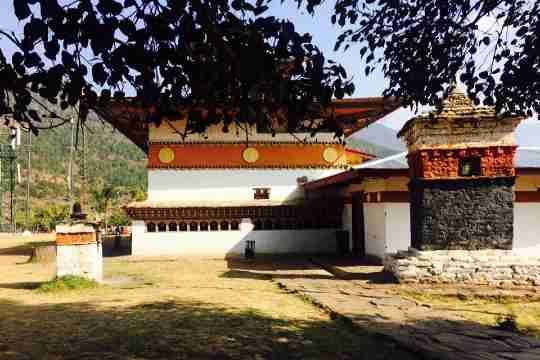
<point x="373" y="303"/>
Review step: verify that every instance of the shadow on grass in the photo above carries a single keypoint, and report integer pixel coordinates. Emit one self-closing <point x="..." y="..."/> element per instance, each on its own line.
<point x="267" y="267"/>
<point x="276" y="267"/>
<point x="365" y="269"/>
<point x="29" y="285"/>
<point x="20" y="250"/>
<point x="179" y="330"/>
<point x="258" y="275"/>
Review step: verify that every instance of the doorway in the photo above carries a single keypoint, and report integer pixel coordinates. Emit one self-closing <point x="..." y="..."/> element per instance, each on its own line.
<point x="358" y="231"/>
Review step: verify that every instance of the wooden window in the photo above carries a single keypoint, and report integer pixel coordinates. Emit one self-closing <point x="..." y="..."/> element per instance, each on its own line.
<point x="235" y="225"/>
<point x="268" y="224"/>
<point x="173" y="226"/>
<point x="162" y="227"/>
<point x="287" y="224"/>
<point x="224" y="226"/>
<point x="261" y="193"/>
<point x="257" y="225"/>
<point x="469" y="167"/>
<point x="151" y="227"/>
<point x="193" y="226"/>
<point x="214" y="226"/>
<point x="203" y="226"/>
<point x="182" y="226"/>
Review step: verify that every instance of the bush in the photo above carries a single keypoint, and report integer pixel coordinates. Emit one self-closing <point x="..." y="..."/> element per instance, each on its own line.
<point x="47" y="218"/>
<point x="68" y="282"/>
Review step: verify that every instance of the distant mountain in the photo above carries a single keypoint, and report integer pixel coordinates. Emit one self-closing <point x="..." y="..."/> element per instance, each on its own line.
<point x="376" y="139"/>
<point x="528" y="133"/>
<point x="367" y="147"/>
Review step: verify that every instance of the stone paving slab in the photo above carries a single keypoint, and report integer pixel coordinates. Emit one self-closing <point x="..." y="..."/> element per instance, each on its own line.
<point x="433" y="333"/>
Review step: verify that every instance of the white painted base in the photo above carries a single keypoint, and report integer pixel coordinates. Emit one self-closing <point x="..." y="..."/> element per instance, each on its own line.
<point x="232" y="243"/>
<point x="80" y="260"/>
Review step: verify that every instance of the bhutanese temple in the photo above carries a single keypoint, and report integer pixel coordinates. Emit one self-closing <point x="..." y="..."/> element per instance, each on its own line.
<point x="211" y="193"/>
<point x="461" y="204"/>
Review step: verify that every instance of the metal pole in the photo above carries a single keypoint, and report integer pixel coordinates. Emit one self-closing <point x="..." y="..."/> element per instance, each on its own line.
<point x="28" y="179"/>
<point x="70" y="166"/>
<point x="13" y="200"/>
<point x="83" y="169"/>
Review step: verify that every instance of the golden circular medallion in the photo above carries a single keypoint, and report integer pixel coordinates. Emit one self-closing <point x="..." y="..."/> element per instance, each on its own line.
<point x="250" y="155"/>
<point x="166" y="155"/>
<point x="330" y="154"/>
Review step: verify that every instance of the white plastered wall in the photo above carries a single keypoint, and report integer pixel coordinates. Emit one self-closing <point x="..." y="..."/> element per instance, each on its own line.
<point x="387" y="228"/>
<point x="526" y="229"/>
<point x="228" y="184"/>
<point x="526" y="219"/>
<point x="375" y="229"/>
<point x="387" y="225"/>
<point x="232" y="243"/>
<point x="398" y="227"/>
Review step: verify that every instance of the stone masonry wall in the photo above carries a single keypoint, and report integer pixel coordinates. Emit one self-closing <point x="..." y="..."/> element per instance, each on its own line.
<point x="482" y="267"/>
<point x="462" y="214"/>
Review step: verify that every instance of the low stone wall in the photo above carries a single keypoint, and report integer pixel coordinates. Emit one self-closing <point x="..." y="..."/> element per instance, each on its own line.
<point x="485" y="267"/>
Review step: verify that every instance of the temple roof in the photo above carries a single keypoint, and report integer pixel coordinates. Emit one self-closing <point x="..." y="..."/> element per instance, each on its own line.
<point x="351" y="114"/>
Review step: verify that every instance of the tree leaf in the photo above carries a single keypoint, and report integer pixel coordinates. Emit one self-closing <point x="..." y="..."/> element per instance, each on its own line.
<point x="22" y="10"/>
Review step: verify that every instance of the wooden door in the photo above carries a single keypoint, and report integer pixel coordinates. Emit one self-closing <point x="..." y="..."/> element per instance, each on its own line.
<point x="358" y="231"/>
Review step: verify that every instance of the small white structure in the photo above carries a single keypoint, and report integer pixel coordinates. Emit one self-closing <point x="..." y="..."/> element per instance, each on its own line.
<point x="78" y="251"/>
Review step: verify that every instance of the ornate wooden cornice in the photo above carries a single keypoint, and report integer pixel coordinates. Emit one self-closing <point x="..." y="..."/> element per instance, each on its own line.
<point x="254" y="156"/>
<point x="323" y="212"/>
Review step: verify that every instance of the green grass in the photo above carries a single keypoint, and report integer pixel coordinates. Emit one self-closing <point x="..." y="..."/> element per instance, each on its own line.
<point x="67" y="282"/>
<point x="508" y="312"/>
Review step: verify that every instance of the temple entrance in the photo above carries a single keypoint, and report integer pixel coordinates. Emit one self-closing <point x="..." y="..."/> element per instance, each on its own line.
<point x="358" y="234"/>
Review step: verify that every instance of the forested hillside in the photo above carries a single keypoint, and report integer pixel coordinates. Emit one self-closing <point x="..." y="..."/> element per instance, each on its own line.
<point x="115" y="173"/>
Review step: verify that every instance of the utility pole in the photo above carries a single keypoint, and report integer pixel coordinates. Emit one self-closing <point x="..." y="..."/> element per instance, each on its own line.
<point x="83" y="169"/>
<point x="28" y="179"/>
<point x="70" y="166"/>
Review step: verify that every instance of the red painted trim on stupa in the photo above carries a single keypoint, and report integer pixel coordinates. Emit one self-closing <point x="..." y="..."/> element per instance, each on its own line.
<point x="495" y="161"/>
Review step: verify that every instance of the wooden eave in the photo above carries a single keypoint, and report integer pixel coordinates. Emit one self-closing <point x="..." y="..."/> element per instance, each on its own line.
<point x="351" y="116"/>
<point x="354" y="176"/>
<point x="527" y="171"/>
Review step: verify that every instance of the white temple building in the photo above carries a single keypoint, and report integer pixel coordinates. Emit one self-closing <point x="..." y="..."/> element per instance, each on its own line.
<point x="210" y="194"/>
